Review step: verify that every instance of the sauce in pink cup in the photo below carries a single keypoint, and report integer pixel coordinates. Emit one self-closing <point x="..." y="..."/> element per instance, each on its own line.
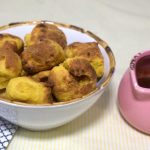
<point x="134" y="93"/>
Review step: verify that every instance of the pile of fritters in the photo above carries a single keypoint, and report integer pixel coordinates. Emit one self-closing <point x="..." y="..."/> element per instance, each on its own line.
<point x="44" y="69"/>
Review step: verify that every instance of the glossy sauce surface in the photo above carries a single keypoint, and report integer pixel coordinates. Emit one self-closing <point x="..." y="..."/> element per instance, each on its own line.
<point x="143" y="72"/>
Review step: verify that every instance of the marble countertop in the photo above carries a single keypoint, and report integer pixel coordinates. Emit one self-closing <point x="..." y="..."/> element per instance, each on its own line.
<point x="125" y="25"/>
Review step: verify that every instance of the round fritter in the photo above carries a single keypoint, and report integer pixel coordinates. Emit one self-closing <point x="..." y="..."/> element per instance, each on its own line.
<point x="10" y="66"/>
<point x="72" y="79"/>
<point x="89" y="51"/>
<point x="42" y="56"/>
<point x="46" y="31"/>
<point x="64" y="85"/>
<point x="8" y="41"/>
<point x="83" y="72"/>
<point x="25" y="89"/>
<point x="42" y="76"/>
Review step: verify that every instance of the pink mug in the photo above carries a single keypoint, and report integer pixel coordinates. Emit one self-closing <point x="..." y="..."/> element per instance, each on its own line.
<point x="134" y="93"/>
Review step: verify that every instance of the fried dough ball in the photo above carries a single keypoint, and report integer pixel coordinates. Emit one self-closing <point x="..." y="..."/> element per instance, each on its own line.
<point x="25" y="89"/>
<point x="72" y="79"/>
<point x="10" y="66"/>
<point x="8" y="41"/>
<point x="89" y="51"/>
<point x="42" y="76"/>
<point x="64" y="86"/>
<point x="42" y="56"/>
<point x="46" y="31"/>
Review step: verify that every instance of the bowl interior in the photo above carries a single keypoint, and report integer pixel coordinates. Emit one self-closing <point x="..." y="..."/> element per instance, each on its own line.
<point x="73" y="34"/>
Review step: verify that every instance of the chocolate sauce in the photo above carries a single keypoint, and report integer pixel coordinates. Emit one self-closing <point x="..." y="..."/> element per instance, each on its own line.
<point x="143" y="72"/>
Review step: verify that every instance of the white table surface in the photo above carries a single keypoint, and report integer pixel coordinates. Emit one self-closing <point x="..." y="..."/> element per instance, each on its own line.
<point x="125" y="25"/>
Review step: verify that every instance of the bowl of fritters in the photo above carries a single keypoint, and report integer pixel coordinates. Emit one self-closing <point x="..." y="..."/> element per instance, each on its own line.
<point x="50" y="73"/>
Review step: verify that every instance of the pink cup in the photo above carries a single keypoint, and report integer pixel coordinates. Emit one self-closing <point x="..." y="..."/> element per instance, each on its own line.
<point x="134" y="93"/>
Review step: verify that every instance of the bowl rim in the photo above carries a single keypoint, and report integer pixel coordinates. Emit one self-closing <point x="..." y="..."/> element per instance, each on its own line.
<point x="76" y="28"/>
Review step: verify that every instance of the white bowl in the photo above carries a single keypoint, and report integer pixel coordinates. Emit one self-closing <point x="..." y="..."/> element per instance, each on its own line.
<point x="42" y="117"/>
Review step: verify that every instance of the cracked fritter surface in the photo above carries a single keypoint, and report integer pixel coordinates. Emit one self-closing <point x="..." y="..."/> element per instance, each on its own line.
<point x="42" y="56"/>
<point x="9" y="41"/>
<point x="46" y="31"/>
<point x="89" y="51"/>
<point x="72" y="79"/>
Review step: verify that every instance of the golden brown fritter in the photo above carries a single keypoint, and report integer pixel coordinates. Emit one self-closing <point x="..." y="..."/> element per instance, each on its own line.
<point x="42" y="76"/>
<point x="42" y="56"/>
<point x="83" y="72"/>
<point x="46" y="31"/>
<point x="25" y="89"/>
<point x="89" y="51"/>
<point x="64" y="85"/>
<point x="10" y="66"/>
<point x="9" y="41"/>
<point x="72" y="79"/>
